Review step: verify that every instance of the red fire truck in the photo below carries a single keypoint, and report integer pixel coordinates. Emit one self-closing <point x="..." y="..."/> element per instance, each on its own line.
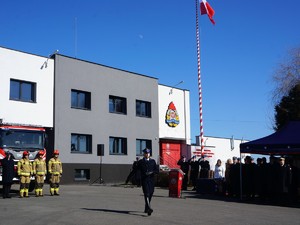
<point x="19" y="138"/>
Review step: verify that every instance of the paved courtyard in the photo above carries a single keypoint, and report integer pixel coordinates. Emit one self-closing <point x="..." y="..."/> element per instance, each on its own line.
<point x="111" y="205"/>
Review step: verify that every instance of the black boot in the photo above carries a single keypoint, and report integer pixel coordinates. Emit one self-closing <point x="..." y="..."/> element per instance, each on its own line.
<point x="8" y="191"/>
<point x="5" y="191"/>
<point x="146" y="205"/>
<point x="148" y="209"/>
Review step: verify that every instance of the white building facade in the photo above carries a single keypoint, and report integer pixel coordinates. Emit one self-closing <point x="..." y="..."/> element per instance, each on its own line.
<point x="174" y="124"/>
<point x="26" y="88"/>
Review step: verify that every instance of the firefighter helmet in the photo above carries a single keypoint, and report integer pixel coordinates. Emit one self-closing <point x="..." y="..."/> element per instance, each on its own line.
<point x="41" y="152"/>
<point x="56" y="152"/>
<point x="25" y="153"/>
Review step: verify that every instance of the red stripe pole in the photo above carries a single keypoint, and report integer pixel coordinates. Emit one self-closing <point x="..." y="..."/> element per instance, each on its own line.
<point x="199" y="79"/>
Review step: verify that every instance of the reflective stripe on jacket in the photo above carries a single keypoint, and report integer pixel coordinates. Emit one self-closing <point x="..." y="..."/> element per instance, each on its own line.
<point x="24" y="167"/>
<point x="39" y="167"/>
<point x="55" y="166"/>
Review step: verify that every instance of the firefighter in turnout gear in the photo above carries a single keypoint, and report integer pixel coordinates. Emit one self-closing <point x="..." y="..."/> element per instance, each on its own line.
<point x="39" y="170"/>
<point x="24" y="172"/>
<point x="55" y="170"/>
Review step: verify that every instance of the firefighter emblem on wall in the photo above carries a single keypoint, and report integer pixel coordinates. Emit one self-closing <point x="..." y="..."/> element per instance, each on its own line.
<point x="172" y="117"/>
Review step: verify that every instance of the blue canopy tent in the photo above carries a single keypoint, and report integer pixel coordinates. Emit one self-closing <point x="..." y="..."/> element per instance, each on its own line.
<point x="286" y="141"/>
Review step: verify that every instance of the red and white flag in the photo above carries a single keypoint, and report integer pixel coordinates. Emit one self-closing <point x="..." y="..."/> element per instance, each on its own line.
<point x="205" y="8"/>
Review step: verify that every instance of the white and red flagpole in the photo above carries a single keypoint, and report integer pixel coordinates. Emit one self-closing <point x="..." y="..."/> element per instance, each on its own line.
<point x="199" y="78"/>
<point x="205" y="9"/>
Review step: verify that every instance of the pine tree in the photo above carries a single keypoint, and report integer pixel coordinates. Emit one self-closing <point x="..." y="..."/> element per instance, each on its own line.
<point x="288" y="108"/>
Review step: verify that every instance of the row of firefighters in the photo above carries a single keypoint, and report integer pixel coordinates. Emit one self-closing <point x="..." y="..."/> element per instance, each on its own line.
<point x="38" y="169"/>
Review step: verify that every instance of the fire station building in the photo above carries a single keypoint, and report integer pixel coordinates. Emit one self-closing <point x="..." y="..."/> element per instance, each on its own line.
<point x="100" y="118"/>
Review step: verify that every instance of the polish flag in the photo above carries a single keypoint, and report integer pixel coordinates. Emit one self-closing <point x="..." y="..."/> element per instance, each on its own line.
<point x="205" y="8"/>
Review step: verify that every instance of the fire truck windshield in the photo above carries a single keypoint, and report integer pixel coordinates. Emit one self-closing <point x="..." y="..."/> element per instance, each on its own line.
<point x="21" y="139"/>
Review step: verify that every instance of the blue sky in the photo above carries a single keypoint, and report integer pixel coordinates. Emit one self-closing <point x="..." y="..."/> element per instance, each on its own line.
<point x="158" y="38"/>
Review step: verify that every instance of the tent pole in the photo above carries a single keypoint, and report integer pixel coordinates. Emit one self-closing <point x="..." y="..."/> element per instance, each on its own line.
<point x="241" y="177"/>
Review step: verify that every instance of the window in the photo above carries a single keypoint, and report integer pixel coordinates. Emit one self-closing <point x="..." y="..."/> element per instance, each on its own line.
<point x="81" y="174"/>
<point x="141" y="144"/>
<point x="19" y="139"/>
<point x="117" y="146"/>
<point x="143" y="108"/>
<point x="80" y="99"/>
<point x="22" y="91"/>
<point x="81" y="143"/>
<point x="117" y="105"/>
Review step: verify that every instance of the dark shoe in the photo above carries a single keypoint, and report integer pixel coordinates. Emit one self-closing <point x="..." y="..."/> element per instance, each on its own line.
<point x="150" y="211"/>
<point x="146" y="210"/>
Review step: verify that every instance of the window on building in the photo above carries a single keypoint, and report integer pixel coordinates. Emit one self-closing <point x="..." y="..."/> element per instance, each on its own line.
<point x="81" y="143"/>
<point x="143" y="108"/>
<point x="81" y="174"/>
<point x="141" y="144"/>
<point x="22" y="91"/>
<point x="117" y="105"/>
<point x="117" y="146"/>
<point x="80" y="99"/>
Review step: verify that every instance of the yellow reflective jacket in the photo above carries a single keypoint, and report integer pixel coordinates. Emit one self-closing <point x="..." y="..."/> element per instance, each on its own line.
<point x="55" y="166"/>
<point x="39" y="167"/>
<point x="24" y="167"/>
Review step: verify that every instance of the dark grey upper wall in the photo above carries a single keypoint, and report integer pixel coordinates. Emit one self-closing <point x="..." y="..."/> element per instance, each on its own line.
<point x="102" y="81"/>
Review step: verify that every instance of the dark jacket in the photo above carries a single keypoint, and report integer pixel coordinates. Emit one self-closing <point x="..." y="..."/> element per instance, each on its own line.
<point x="147" y="169"/>
<point x="184" y="166"/>
<point x="8" y="172"/>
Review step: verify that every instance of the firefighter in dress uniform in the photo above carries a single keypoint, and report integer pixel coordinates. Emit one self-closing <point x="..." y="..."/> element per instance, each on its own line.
<point x="55" y="170"/>
<point x="39" y="170"/>
<point x="24" y="172"/>
<point x="148" y="169"/>
<point x="8" y="173"/>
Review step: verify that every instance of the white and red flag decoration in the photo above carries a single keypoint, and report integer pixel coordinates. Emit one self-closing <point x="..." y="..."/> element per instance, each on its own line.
<point x="205" y="8"/>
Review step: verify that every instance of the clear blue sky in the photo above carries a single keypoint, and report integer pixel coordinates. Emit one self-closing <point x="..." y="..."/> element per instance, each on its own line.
<point x="157" y="38"/>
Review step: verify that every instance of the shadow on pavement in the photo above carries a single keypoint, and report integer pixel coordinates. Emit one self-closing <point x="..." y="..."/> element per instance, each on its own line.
<point x="256" y="201"/>
<point x="135" y="213"/>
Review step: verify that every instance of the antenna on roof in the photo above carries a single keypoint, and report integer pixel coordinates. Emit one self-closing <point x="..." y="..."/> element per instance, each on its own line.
<point x="45" y="64"/>
<point x="171" y="91"/>
<point x="75" y="36"/>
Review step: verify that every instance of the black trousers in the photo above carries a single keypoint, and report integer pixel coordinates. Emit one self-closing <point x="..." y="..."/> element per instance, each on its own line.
<point x="6" y="190"/>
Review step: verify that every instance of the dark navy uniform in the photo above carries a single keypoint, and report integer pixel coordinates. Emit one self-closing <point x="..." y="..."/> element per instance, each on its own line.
<point x="7" y="174"/>
<point x="148" y="169"/>
<point x="185" y="167"/>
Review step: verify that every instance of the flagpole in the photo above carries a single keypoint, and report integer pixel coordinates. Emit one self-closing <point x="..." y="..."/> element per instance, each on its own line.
<point x="199" y="79"/>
